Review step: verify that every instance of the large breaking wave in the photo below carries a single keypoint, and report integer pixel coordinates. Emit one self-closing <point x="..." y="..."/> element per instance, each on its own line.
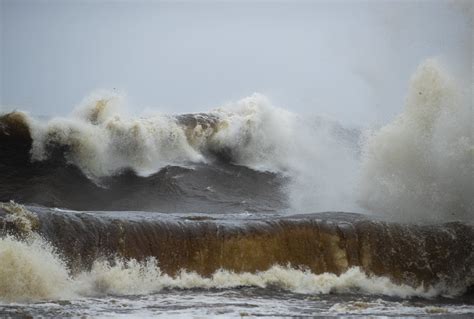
<point x="249" y="156"/>
<point x="58" y="254"/>
<point x="32" y="271"/>
<point x="245" y="156"/>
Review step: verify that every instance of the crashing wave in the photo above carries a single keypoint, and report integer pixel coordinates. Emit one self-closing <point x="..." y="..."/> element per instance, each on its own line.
<point x="417" y="168"/>
<point x="135" y="253"/>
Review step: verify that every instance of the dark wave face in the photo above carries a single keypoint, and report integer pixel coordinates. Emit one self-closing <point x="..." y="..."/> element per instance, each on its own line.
<point x="217" y="185"/>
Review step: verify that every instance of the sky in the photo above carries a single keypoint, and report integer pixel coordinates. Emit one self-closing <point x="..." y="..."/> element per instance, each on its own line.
<point x="347" y="60"/>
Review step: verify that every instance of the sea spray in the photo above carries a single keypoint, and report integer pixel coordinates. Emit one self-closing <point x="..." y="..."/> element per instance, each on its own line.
<point x="317" y="156"/>
<point x="102" y="141"/>
<point x="31" y="270"/>
<point x="417" y="168"/>
<point x="420" y="167"/>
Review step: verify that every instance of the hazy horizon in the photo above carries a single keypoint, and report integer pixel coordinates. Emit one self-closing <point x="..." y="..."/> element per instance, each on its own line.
<point x="349" y="60"/>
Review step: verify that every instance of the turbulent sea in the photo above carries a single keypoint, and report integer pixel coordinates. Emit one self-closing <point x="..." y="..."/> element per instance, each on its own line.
<point x="247" y="210"/>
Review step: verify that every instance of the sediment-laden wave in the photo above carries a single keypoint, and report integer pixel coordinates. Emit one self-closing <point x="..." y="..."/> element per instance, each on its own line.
<point x="127" y="252"/>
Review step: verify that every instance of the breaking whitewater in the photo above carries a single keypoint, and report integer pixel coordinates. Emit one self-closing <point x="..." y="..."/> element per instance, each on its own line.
<point x="245" y="210"/>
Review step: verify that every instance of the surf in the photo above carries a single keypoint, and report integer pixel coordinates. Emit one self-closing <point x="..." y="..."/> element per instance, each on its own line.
<point x="52" y="254"/>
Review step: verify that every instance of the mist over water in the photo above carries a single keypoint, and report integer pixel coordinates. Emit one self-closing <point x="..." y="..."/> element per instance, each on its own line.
<point x="420" y="167"/>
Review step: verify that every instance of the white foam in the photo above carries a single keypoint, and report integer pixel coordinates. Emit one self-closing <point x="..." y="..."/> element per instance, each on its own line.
<point x="103" y="141"/>
<point x="24" y="220"/>
<point x="139" y="278"/>
<point x="321" y="166"/>
<point x="383" y="307"/>
<point x="31" y="270"/>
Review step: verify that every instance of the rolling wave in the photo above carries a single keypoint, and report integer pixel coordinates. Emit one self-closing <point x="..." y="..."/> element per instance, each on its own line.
<point x="55" y="254"/>
<point x="238" y="158"/>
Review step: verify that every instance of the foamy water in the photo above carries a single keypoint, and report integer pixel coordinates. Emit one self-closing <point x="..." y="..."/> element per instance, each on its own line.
<point x="246" y="302"/>
<point x="35" y="281"/>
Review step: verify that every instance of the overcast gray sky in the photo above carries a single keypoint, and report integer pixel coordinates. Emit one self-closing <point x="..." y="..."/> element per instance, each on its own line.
<point x="349" y="60"/>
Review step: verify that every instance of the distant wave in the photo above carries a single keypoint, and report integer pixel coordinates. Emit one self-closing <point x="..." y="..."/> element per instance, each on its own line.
<point x="249" y="155"/>
<point x="55" y="181"/>
<point x="246" y="156"/>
